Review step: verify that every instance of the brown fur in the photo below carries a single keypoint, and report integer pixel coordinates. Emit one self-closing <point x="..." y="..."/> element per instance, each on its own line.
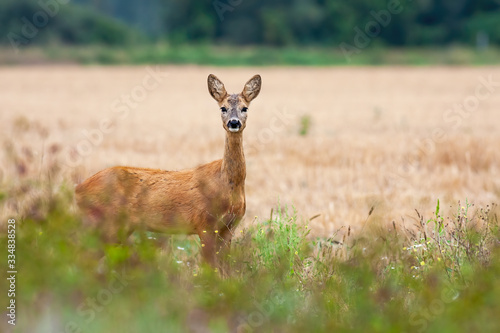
<point x="208" y="200"/>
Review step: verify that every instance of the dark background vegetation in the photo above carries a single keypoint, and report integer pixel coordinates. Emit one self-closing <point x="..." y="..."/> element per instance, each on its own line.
<point x="270" y="23"/>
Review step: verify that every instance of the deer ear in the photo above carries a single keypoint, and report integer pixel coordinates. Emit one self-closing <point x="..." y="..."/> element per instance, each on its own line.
<point x="216" y="88"/>
<point x="252" y="88"/>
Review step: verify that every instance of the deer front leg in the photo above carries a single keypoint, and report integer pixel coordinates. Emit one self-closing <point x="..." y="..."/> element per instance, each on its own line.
<point x="208" y="247"/>
<point x="223" y="246"/>
<point x="224" y="242"/>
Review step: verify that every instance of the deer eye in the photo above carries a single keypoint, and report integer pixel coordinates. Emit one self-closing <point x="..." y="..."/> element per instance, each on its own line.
<point x="223" y="109"/>
<point x="245" y="109"/>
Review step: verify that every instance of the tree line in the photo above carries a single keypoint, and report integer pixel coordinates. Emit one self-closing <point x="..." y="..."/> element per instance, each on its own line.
<point x="330" y="23"/>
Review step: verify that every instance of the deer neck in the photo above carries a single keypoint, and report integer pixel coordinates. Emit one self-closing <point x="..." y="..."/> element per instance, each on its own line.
<point x="233" y="163"/>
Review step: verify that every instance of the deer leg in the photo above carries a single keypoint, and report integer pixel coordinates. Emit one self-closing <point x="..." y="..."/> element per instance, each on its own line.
<point x="223" y="247"/>
<point x="224" y="241"/>
<point x="208" y="246"/>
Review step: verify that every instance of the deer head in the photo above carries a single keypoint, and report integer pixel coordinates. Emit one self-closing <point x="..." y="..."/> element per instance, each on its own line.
<point x="234" y="107"/>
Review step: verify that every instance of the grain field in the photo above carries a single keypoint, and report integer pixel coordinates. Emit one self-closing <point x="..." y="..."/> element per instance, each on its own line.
<point x="329" y="141"/>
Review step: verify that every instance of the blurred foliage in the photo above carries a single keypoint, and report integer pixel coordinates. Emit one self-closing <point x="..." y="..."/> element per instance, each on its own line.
<point x="305" y="125"/>
<point x="259" y="22"/>
<point x="27" y="23"/>
<point x="163" y="53"/>
<point x="394" y="280"/>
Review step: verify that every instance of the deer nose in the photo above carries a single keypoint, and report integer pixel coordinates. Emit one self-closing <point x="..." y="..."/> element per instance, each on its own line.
<point x="234" y="124"/>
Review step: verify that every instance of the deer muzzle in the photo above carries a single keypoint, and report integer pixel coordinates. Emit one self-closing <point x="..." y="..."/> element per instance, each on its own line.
<point x="234" y="125"/>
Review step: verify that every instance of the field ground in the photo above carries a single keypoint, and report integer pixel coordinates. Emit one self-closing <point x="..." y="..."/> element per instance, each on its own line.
<point x="359" y="149"/>
<point x="391" y="138"/>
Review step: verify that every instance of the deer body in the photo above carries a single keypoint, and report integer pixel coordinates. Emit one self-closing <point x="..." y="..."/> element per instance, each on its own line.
<point x="208" y="200"/>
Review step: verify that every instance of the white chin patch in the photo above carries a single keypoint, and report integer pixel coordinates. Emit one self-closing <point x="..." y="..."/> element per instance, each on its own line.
<point x="234" y="130"/>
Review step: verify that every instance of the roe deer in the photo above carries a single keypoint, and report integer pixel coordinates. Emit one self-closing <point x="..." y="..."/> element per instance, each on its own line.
<point x="208" y="200"/>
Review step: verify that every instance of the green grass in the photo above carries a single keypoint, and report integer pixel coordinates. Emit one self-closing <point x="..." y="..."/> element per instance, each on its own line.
<point x="249" y="56"/>
<point x="441" y="276"/>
